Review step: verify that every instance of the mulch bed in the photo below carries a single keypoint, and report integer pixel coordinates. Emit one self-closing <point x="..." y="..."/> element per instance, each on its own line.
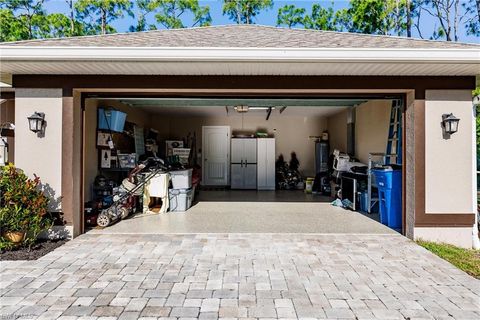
<point x="38" y="250"/>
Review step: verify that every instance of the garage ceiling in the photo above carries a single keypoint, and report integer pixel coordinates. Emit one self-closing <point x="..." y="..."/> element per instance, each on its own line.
<point x="223" y="107"/>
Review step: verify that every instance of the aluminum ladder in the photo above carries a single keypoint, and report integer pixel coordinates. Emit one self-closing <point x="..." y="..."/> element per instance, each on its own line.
<point x="394" y="142"/>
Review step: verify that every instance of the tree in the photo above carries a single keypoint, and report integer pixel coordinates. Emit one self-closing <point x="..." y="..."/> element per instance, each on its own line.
<point x="171" y="13"/>
<point x="472" y="10"/>
<point x="59" y="25"/>
<point x="11" y="28"/>
<point x="321" y="18"/>
<point x="245" y="11"/>
<point x="375" y="17"/>
<point x="143" y="9"/>
<point x="449" y="15"/>
<point x="31" y="16"/>
<point x="290" y="16"/>
<point x="101" y="13"/>
<point x="72" y="13"/>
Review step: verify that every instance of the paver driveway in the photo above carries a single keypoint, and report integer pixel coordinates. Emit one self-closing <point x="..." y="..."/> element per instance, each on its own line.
<point x="238" y="276"/>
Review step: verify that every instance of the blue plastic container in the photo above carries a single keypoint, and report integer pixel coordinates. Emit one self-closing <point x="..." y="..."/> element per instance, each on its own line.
<point x="363" y="202"/>
<point x="110" y="119"/>
<point x="389" y="184"/>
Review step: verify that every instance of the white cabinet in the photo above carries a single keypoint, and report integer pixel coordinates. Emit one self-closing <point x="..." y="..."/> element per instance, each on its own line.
<point x="250" y="151"/>
<point x="250" y="176"/>
<point x="244" y="164"/>
<point x="266" y="164"/>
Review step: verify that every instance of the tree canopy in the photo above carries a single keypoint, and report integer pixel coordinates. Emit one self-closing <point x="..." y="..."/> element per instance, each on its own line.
<point x="245" y="11"/>
<point x="447" y="19"/>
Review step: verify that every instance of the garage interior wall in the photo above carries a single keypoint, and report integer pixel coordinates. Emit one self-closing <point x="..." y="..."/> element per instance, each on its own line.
<point x="291" y="132"/>
<point x="136" y="116"/>
<point x="372" y="120"/>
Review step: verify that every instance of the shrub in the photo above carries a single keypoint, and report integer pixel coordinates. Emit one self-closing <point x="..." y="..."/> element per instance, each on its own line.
<point x="23" y="206"/>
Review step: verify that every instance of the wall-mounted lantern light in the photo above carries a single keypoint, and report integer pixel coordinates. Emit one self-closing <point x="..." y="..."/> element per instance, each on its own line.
<point x="450" y="123"/>
<point x="36" y="122"/>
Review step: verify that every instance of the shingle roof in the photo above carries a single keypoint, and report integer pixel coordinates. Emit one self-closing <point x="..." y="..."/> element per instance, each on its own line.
<point x="249" y="36"/>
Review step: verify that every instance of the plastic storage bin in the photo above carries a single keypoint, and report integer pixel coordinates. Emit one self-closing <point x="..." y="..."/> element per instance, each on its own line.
<point x="109" y="119"/>
<point x="182" y="179"/>
<point x="389" y="184"/>
<point x="180" y="199"/>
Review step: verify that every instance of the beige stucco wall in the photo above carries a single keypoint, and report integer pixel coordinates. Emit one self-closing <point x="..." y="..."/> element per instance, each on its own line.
<point x="449" y="163"/>
<point x="337" y="129"/>
<point x="372" y="119"/>
<point x="40" y="155"/>
<point x="457" y="236"/>
<point x="291" y="132"/>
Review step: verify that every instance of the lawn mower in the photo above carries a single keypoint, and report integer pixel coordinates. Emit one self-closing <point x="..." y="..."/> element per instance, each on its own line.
<point x="126" y="198"/>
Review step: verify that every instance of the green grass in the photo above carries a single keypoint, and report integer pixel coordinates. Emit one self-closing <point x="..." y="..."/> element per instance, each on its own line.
<point x="465" y="259"/>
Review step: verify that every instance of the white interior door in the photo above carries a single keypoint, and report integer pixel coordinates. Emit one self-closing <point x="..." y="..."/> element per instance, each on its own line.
<point x="215" y="155"/>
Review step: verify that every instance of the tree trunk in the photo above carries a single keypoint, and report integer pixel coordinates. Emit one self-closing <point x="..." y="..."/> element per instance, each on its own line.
<point x="409" y="18"/>
<point x="478" y="9"/>
<point x="72" y="17"/>
<point x="104" y="21"/>
<point x="239" y="18"/>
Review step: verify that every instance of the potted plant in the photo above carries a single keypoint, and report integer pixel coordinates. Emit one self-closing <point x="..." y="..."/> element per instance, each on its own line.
<point x="23" y="207"/>
<point x="13" y="223"/>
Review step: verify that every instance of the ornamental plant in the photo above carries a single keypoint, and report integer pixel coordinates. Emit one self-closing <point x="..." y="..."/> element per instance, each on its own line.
<point x="23" y="206"/>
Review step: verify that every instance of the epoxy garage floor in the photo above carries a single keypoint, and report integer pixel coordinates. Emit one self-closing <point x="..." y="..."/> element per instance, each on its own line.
<point x="210" y="276"/>
<point x="233" y="216"/>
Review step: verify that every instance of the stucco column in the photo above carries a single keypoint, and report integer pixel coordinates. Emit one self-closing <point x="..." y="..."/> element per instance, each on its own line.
<point x="41" y="154"/>
<point x="445" y="168"/>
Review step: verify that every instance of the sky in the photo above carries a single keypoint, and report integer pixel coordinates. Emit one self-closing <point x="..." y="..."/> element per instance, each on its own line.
<point x="268" y="17"/>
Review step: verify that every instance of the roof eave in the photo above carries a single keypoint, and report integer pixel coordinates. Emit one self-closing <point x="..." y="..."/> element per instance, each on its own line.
<point x="214" y="54"/>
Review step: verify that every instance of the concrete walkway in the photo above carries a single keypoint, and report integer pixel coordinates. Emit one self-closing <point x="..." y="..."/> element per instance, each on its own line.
<point x="210" y="276"/>
<point x="252" y="217"/>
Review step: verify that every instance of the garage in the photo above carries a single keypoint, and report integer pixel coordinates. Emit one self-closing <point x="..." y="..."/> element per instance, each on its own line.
<point x="293" y="164"/>
<point x="171" y="84"/>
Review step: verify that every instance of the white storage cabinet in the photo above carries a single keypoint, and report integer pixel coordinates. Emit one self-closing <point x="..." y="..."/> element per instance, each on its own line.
<point x="244" y="163"/>
<point x="266" y="163"/>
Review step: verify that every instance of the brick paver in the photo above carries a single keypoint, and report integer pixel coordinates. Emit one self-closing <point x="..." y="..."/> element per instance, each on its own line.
<point x="238" y="276"/>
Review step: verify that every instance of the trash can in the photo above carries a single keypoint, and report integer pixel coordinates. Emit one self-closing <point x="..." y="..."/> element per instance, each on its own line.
<point x="389" y="184"/>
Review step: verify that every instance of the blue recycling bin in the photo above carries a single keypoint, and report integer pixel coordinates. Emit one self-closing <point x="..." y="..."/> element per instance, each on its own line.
<point x="389" y="184"/>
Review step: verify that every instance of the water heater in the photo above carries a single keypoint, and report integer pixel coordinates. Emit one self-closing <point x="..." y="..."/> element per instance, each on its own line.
<point x="322" y="152"/>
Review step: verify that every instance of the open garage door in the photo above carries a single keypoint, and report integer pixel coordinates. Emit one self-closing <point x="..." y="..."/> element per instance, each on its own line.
<point x="281" y="157"/>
